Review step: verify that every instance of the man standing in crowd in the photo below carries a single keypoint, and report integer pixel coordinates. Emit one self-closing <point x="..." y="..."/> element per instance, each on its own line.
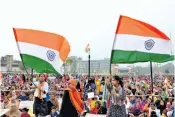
<point x="40" y="103"/>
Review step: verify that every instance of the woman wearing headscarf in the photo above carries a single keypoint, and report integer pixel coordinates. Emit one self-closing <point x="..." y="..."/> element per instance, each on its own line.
<point x="117" y="98"/>
<point x="72" y="105"/>
<point x="80" y="89"/>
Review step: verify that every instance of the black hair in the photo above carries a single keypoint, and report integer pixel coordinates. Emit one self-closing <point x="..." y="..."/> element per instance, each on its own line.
<point x="153" y="114"/>
<point x="103" y="78"/>
<point x="23" y="78"/>
<point x="156" y="93"/>
<point x="78" y="86"/>
<point x="41" y="74"/>
<point x="61" y="95"/>
<point x="129" y="87"/>
<point x="25" y="109"/>
<point x="118" y="79"/>
<point x="53" y="107"/>
<point x="132" y="79"/>
<point x="98" y="103"/>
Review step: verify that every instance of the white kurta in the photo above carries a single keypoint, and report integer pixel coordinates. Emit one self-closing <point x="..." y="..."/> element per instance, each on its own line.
<point x="45" y="88"/>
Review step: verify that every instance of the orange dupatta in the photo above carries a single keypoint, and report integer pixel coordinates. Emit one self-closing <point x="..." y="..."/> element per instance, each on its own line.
<point x="76" y="100"/>
<point x="40" y="93"/>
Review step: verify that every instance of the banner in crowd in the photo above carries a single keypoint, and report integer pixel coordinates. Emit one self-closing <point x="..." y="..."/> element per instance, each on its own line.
<point x="91" y="95"/>
<point x="24" y="104"/>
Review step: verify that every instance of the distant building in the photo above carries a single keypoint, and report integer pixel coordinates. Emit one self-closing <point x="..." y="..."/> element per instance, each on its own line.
<point x="79" y="66"/>
<point x="73" y="67"/>
<point x="124" y="70"/>
<point x="10" y="65"/>
<point x="96" y="66"/>
<point x="76" y="66"/>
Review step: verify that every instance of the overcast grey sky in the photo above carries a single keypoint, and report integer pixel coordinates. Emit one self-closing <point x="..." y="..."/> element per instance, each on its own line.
<point x="81" y="21"/>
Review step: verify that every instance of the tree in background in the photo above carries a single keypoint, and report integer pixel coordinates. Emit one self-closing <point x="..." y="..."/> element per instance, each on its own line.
<point x="69" y="62"/>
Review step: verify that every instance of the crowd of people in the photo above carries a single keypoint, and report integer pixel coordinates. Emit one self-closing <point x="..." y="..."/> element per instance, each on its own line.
<point x="109" y="93"/>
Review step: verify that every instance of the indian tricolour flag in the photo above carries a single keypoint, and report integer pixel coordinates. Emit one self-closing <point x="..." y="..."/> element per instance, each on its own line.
<point x="87" y="49"/>
<point x="136" y="41"/>
<point x="43" y="51"/>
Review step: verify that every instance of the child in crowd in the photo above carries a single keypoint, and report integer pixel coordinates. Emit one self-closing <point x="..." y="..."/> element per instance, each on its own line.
<point x="25" y="112"/>
<point x="53" y="112"/>
<point x="98" y="109"/>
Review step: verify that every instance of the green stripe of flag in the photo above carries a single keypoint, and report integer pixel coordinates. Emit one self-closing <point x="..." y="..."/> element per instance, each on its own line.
<point x="122" y="56"/>
<point x="39" y="65"/>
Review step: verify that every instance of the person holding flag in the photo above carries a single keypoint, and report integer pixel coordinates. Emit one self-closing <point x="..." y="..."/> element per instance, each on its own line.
<point x="117" y="98"/>
<point x="44" y="52"/>
<point x="40" y="103"/>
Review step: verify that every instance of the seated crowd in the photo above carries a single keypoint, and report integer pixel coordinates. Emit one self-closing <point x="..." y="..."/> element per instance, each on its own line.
<point x="140" y="102"/>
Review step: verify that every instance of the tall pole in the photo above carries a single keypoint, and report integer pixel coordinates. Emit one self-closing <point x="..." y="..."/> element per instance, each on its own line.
<point x="89" y="72"/>
<point x="110" y="68"/>
<point x="32" y="74"/>
<point x="151" y="69"/>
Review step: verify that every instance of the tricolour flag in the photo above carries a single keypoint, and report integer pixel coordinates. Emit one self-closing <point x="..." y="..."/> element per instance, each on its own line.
<point x="136" y="41"/>
<point x="87" y="49"/>
<point x="144" y="84"/>
<point x="43" y="51"/>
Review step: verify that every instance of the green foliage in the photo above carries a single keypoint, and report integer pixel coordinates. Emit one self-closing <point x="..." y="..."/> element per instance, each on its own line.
<point x="69" y="61"/>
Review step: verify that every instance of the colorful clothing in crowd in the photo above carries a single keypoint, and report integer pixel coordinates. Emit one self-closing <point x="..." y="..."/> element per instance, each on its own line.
<point x="72" y="105"/>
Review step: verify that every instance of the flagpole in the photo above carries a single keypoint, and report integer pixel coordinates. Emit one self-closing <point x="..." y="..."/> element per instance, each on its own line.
<point x="151" y="70"/>
<point x="32" y="74"/>
<point x="89" y="73"/>
<point x="110" y="69"/>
